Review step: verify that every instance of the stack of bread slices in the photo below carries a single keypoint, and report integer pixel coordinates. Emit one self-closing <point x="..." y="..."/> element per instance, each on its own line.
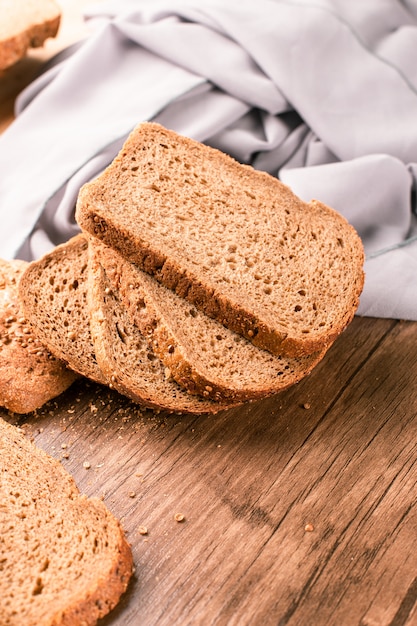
<point x="197" y="283"/>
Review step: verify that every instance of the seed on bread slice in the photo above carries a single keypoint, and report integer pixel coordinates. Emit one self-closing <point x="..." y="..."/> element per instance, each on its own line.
<point x="233" y="241"/>
<point x="64" y="558"/>
<point x="29" y="374"/>
<point x="202" y="355"/>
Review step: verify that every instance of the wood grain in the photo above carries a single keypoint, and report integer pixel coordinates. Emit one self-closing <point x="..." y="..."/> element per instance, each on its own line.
<point x="299" y="505"/>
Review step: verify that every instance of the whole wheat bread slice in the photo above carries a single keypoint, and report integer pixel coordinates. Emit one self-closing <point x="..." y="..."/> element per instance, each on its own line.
<point x="235" y="242"/>
<point x="64" y="559"/>
<point x="126" y="356"/>
<point x="202" y="355"/>
<point x="25" y="24"/>
<point x="29" y="374"/>
<point x="53" y="296"/>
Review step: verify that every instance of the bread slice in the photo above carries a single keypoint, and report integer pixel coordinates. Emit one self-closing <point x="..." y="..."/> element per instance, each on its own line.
<point x="125" y="354"/>
<point x="53" y="297"/>
<point x="29" y="374"/>
<point x="25" y="24"/>
<point x="235" y="242"/>
<point x="202" y="355"/>
<point x="64" y="558"/>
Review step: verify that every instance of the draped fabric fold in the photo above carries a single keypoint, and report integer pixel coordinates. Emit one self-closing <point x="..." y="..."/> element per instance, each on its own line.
<point x="321" y="93"/>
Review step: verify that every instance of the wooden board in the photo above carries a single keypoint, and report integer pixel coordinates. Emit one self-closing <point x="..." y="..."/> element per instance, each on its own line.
<point x="297" y="506"/>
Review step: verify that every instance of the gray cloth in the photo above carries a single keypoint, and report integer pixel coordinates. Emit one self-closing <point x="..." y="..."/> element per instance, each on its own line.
<point x="321" y="93"/>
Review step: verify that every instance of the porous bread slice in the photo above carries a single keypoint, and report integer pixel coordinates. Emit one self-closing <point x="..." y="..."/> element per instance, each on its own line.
<point x="53" y="295"/>
<point x="235" y="242"/>
<point x="64" y="559"/>
<point x="29" y="374"/>
<point x="126" y="357"/>
<point x="202" y="355"/>
<point x="25" y="24"/>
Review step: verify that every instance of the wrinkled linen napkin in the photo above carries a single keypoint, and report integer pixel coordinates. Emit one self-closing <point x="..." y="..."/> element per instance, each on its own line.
<point x="321" y="93"/>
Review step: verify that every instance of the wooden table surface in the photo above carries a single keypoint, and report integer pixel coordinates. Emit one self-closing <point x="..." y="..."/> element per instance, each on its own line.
<point x="298" y="510"/>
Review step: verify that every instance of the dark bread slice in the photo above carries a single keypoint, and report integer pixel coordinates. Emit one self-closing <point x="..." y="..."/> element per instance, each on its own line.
<point x="125" y="354"/>
<point x="202" y="355"/>
<point x="29" y="374"/>
<point x="64" y="559"/>
<point x="233" y="241"/>
<point x="25" y="24"/>
<point x="53" y="297"/>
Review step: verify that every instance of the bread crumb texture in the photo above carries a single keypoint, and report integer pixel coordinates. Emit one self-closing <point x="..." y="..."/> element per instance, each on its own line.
<point x="53" y="296"/>
<point x="234" y="241"/>
<point x="63" y="557"/>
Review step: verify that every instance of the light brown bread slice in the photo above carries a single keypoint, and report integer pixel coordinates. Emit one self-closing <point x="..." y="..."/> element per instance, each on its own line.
<point x="235" y="242"/>
<point x="29" y="374"/>
<point x="125" y="354"/>
<point x="64" y="559"/>
<point x="53" y="295"/>
<point x="25" y="24"/>
<point x="201" y="354"/>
